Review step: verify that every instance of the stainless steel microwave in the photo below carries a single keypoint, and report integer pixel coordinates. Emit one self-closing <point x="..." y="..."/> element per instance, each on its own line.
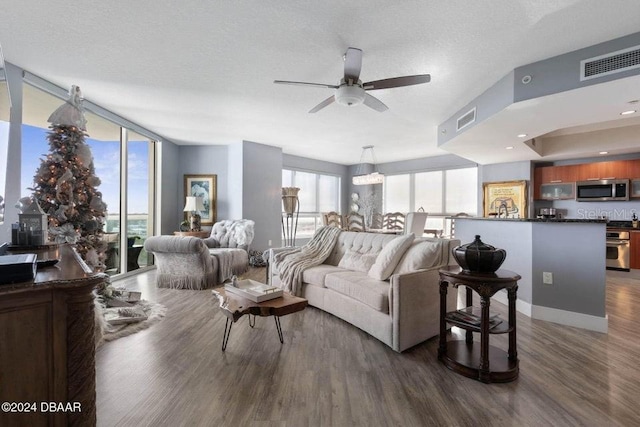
<point x="602" y="190"/>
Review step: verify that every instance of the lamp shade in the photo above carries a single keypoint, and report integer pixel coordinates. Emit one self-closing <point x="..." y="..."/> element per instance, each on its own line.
<point x="190" y="204"/>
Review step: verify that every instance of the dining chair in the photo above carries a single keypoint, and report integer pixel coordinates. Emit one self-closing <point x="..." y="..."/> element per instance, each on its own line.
<point x="393" y="221"/>
<point x="355" y="222"/>
<point x="332" y="219"/>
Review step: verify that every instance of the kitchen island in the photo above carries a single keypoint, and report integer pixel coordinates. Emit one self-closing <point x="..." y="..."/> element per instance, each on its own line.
<point x="572" y="250"/>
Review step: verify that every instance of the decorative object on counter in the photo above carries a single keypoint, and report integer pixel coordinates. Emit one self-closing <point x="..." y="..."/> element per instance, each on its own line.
<point x="31" y="228"/>
<point x="194" y="205"/>
<point x="506" y="199"/>
<point x="204" y="186"/>
<point x="478" y="257"/>
<point x="291" y="210"/>
<point x="66" y="184"/>
<point x="634" y="221"/>
<point x="548" y="213"/>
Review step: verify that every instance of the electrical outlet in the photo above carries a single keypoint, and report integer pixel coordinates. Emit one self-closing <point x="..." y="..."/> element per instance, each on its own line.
<point x="269" y="243"/>
<point x="547" y="278"/>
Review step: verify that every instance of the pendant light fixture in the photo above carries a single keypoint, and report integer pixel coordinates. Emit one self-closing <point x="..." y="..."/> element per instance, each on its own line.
<point x="361" y="178"/>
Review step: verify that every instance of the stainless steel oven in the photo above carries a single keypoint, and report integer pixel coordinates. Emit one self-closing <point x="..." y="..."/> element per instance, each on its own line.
<point x="618" y="250"/>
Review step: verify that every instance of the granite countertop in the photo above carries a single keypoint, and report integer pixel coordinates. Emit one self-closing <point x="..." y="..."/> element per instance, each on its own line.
<point x="551" y="220"/>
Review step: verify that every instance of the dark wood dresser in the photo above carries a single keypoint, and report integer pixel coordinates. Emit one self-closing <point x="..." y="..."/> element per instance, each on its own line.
<point x="47" y="345"/>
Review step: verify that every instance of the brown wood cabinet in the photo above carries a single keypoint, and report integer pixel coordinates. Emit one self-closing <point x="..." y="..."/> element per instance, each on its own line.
<point x="47" y="343"/>
<point x="634" y="261"/>
<point x="619" y="169"/>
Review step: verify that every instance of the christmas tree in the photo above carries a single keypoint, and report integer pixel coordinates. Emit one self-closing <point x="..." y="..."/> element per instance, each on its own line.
<point x="65" y="184"/>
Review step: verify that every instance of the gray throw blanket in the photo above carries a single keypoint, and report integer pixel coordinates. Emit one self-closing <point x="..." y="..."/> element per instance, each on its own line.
<point x="291" y="263"/>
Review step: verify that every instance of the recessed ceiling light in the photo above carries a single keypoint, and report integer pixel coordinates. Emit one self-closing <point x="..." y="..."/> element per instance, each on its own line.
<point x="521" y="135"/>
<point x="624" y="113"/>
<point x="604" y="152"/>
<point x="509" y="147"/>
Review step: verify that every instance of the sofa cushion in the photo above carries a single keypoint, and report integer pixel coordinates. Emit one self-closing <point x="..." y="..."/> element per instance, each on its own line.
<point x="353" y="260"/>
<point x="423" y="254"/>
<point x="389" y="257"/>
<point x="359" y="286"/>
<point x="316" y="275"/>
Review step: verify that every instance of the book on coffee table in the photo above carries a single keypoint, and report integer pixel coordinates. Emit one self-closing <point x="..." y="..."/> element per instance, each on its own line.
<point x="254" y="291"/>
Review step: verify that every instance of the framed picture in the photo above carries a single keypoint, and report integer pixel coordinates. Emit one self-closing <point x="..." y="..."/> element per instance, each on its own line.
<point x="505" y="198"/>
<point x="202" y="186"/>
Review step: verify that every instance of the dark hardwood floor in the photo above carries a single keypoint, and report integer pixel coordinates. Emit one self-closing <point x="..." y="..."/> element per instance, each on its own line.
<point x="329" y="373"/>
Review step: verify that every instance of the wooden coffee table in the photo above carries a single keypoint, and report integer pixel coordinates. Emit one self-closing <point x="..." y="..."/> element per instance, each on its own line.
<point x="234" y="307"/>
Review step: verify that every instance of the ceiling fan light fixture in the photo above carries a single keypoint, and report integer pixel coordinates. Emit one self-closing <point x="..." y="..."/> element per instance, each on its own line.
<point x="350" y="95"/>
<point x="361" y="178"/>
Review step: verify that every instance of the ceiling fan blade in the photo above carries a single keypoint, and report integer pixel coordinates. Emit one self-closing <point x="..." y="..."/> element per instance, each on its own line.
<point x="375" y="103"/>
<point x="397" y="82"/>
<point x="352" y="64"/>
<point x="323" y="104"/>
<point x="286" y="82"/>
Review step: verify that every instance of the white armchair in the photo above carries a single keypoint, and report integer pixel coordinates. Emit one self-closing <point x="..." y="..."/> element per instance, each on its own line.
<point x="229" y="243"/>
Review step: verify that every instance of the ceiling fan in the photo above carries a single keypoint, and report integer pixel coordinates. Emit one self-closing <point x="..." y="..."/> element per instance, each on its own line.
<point x="351" y="90"/>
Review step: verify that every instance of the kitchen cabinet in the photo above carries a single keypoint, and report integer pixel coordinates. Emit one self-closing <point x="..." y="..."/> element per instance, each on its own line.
<point x="559" y="191"/>
<point x="558" y="182"/>
<point x="634" y="249"/>
<point x="546" y="175"/>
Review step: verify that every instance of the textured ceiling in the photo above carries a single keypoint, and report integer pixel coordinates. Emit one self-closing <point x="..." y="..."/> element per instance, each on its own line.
<point x="202" y="72"/>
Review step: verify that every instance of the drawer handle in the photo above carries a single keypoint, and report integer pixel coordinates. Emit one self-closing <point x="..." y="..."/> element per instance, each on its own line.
<point x="555" y="181"/>
<point x="610" y="177"/>
<point x="593" y="179"/>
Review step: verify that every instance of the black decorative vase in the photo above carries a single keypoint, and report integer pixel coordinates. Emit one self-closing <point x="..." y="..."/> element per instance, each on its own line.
<point x="478" y="257"/>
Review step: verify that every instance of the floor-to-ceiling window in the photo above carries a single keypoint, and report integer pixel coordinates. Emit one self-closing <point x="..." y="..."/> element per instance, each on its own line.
<point x="130" y="188"/>
<point x="4" y="139"/>
<point x="318" y="193"/>
<point x="440" y="193"/>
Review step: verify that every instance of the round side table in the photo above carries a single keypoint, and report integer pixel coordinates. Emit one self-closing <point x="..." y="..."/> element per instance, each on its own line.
<point x="486" y="363"/>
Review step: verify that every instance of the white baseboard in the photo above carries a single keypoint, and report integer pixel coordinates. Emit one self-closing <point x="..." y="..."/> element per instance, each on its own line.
<point x="521" y="306"/>
<point x="563" y="317"/>
<point x="570" y="318"/>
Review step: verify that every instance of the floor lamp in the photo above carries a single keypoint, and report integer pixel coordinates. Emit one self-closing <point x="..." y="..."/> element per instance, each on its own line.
<point x="291" y="205"/>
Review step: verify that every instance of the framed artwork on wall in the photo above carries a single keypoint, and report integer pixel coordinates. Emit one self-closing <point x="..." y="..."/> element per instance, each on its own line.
<point x="507" y="199"/>
<point x="203" y="186"/>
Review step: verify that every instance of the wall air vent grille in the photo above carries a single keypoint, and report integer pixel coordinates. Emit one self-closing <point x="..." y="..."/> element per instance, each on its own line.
<point x="611" y="63"/>
<point x="466" y="119"/>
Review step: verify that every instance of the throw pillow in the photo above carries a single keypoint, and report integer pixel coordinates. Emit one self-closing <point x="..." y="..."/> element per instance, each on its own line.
<point x="357" y="261"/>
<point x="389" y="257"/>
<point x="421" y="254"/>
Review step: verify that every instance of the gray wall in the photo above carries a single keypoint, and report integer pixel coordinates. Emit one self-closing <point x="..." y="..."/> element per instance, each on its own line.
<point x="562" y="73"/>
<point x="235" y="167"/>
<point x="514" y="171"/>
<point x="169" y="188"/>
<point x="262" y="192"/>
<point x="208" y="160"/>
<point x="575" y="254"/>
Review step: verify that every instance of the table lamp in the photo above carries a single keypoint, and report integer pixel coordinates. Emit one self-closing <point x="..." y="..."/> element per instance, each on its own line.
<point x="195" y="206"/>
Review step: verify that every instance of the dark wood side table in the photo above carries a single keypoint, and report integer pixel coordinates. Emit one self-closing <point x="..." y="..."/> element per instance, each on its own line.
<point x="486" y="363"/>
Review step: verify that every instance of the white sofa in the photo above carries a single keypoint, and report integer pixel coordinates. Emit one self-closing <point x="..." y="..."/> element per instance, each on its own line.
<point x="401" y="311"/>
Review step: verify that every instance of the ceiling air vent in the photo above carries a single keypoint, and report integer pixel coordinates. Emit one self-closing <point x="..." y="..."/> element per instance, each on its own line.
<point x="610" y="63"/>
<point x="466" y="119"/>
